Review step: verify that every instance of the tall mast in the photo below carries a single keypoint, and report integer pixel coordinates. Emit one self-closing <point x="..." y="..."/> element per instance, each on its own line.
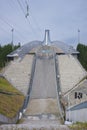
<point x="78" y="35"/>
<point x="12" y="30"/>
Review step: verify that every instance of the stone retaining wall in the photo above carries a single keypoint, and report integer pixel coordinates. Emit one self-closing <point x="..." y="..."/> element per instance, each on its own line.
<point x="6" y="120"/>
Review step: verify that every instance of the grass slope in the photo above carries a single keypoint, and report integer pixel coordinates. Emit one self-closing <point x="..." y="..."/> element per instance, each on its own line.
<point x="11" y="99"/>
<point x="79" y="126"/>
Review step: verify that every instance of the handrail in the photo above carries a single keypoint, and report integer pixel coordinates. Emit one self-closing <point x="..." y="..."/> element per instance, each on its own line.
<point x="58" y="87"/>
<point x="26" y="101"/>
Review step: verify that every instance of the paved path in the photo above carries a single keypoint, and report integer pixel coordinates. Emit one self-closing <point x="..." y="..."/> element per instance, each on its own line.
<point x="45" y="125"/>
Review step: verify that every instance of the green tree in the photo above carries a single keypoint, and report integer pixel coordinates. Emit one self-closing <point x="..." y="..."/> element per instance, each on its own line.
<point x="4" y="51"/>
<point x="82" y="54"/>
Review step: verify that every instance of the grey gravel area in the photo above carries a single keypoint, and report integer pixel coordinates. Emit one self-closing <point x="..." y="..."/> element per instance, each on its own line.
<point x="1" y="75"/>
<point x="35" y="125"/>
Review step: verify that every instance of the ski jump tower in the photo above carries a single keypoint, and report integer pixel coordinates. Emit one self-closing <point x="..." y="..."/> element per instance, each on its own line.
<point x="45" y="72"/>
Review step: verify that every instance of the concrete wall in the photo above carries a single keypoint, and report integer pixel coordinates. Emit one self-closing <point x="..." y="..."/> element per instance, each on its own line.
<point x="77" y="115"/>
<point x="18" y="73"/>
<point x="71" y="72"/>
<point x="6" y="120"/>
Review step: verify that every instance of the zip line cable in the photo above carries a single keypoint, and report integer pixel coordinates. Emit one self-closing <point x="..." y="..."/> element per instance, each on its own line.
<point x="27" y="18"/>
<point x="27" y="11"/>
<point x="27" y="3"/>
<point x="4" y="30"/>
<point x="6" y="22"/>
<point x="24" y="12"/>
<point x="21" y="7"/>
<point x="13" y="3"/>
<point x="27" y="14"/>
<point x="34" y="19"/>
<point x="30" y="25"/>
<point x="11" y="27"/>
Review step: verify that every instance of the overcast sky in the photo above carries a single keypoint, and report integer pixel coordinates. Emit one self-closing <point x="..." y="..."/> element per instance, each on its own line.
<point x="62" y="17"/>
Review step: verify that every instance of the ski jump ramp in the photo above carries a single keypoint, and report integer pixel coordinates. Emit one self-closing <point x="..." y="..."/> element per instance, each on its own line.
<point x="43" y="94"/>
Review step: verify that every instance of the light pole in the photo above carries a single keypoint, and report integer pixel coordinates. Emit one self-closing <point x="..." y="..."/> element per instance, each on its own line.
<point x="78" y="35"/>
<point x="69" y="106"/>
<point x="12" y="30"/>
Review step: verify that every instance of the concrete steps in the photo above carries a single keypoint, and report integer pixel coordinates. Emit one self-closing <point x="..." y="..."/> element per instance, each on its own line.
<point x="36" y="125"/>
<point x="18" y="73"/>
<point x="71" y="72"/>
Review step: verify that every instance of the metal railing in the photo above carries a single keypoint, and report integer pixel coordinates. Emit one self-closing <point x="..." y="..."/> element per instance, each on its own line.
<point x="26" y="101"/>
<point x="58" y="88"/>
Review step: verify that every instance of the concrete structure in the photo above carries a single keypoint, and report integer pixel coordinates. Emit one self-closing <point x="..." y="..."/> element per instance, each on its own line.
<point x="80" y="88"/>
<point x="71" y="72"/>
<point x="44" y="88"/>
<point x="77" y="113"/>
<point x="46" y="72"/>
<point x="33" y="47"/>
<point x="18" y="73"/>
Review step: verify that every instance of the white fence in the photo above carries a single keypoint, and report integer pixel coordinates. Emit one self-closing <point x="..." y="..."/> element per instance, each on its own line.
<point x="79" y="115"/>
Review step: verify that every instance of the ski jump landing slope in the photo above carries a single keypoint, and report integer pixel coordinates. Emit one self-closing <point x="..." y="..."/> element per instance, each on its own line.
<point x="44" y="96"/>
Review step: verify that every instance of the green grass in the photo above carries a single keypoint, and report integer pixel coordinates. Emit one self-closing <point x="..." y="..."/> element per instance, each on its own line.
<point x="9" y="104"/>
<point x="79" y="126"/>
<point x="7" y="87"/>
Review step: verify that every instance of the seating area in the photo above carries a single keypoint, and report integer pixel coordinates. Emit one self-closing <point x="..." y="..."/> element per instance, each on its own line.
<point x="18" y="73"/>
<point x="78" y="95"/>
<point x="71" y="72"/>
